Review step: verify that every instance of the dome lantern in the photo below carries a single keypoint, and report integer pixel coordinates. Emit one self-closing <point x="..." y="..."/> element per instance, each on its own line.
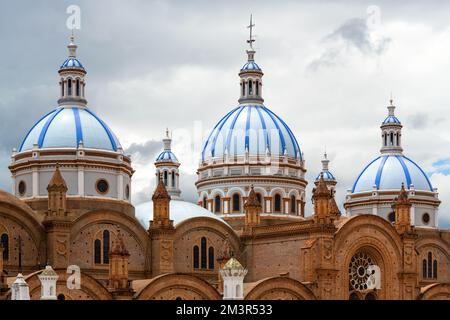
<point x="72" y="83"/>
<point x="391" y="132"/>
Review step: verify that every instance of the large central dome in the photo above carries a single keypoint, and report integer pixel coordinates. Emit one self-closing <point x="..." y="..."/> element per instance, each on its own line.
<point x="254" y="128"/>
<point x="66" y="127"/>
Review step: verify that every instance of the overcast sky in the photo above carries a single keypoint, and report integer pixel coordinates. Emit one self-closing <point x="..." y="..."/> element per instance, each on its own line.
<point x="329" y="71"/>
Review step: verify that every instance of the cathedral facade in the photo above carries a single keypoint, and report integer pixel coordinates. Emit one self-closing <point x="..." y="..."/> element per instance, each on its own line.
<point x="248" y="237"/>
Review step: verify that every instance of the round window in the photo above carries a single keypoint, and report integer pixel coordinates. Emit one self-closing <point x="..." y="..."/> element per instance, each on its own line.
<point x="22" y="188"/>
<point x="127" y="192"/>
<point x="426" y="218"/>
<point x="102" y="186"/>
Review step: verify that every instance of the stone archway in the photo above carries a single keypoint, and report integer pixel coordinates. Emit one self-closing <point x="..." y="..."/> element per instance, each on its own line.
<point x="280" y="288"/>
<point x="375" y="237"/>
<point x="177" y="286"/>
<point x="436" y="291"/>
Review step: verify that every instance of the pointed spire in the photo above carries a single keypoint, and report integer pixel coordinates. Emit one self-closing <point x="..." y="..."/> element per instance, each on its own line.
<point x="325" y="162"/>
<point x="251" y="74"/>
<point x="57" y="180"/>
<point x="72" y="47"/>
<point x="403" y="196"/>
<point x="167" y="141"/>
<point x="321" y="188"/>
<point x="250" y="27"/>
<point x="160" y="191"/>
<point x="391" y="107"/>
<point x="252" y="200"/>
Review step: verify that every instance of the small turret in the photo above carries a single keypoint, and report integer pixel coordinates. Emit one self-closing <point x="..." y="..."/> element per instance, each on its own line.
<point x="252" y="209"/>
<point x="233" y="274"/>
<point x="402" y="206"/>
<point x="48" y="279"/>
<point x="161" y="207"/>
<point x="20" y="289"/>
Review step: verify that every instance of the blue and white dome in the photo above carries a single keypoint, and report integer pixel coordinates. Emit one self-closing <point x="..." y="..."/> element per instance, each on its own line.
<point x="166" y="155"/>
<point x="388" y="172"/>
<point x="72" y="62"/>
<point x="252" y="127"/>
<point x="250" y="65"/>
<point x="391" y="119"/>
<point x="65" y="127"/>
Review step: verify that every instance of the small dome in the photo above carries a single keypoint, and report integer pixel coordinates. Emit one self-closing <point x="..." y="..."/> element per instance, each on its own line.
<point x="65" y="127"/>
<point x="166" y="155"/>
<point x="250" y="65"/>
<point x="388" y="172"/>
<point x="391" y="119"/>
<point x="179" y="211"/>
<point x="254" y="128"/>
<point x="327" y="175"/>
<point x="72" y="63"/>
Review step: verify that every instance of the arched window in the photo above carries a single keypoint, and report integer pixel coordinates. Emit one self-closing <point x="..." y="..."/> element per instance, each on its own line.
<point x="196" y="254"/>
<point x="392" y="139"/>
<point x="165" y="178"/>
<point x="204" y="203"/>
<point x="173" y="179"/>
<point x="435" y="271"/>
<point x="250" y="87"/>
<point x="106" y="246"/>
<point x="62" y="87"/>
<point x="243" y="88"/>
<point x="424" y="268"/>
<point x="354" y="296"/>
<point x="277" y="203"/>
<point x="385" y="139"/>
<point x="238" y="291"/>
<point x="259" y="197"/>
<point x="97" y="251"/>
<point x="203" y="252"/>
<point x="211" y="258"/>
<point x="370" y="296"/>
<point x="78" y="87"/>
<point x="293" y="205"/>
<point x="5" y="244"/>
<point x="236" y="202"/>
<point x="217" y="204"/>
<point x="257" y="87"/>
<point x="430" y="265"/>
<point x="69" y="87"/>
<point x="391" y="216"/>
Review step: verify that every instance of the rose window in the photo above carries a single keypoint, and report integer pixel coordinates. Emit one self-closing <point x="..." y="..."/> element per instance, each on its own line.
<point x="357" y="270"/>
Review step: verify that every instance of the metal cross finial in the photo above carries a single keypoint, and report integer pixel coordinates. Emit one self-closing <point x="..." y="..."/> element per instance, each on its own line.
<point x="391" y="100"/>
<point x="250" y="26"/>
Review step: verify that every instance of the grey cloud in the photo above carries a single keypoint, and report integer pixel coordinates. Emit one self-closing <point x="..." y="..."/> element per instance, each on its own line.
<point x="144" y="152"/>
<point x="352" y="33"/>
<point x="419" y="121"/>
